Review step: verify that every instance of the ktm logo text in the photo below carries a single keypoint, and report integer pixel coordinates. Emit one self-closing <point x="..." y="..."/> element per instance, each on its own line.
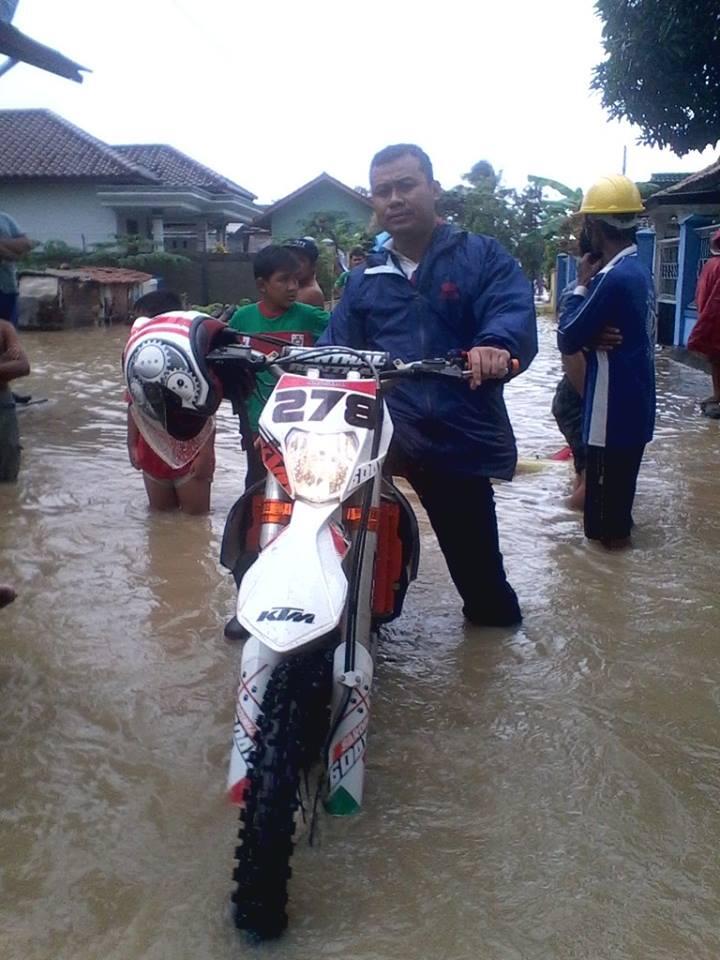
<point x="293" y="614"/>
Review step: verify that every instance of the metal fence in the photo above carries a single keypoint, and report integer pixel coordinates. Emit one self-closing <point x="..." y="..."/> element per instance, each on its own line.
<point x="667" y="269"/>
<point x="704" y="233"/>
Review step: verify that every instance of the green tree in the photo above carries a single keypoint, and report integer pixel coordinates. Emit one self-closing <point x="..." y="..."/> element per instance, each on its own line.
<point x="334" y="225"/>
<point x="481" y="204"/>
<point x="662" y="70"/>
<point x="344" y="234"/>
<point x="532" y="225"/>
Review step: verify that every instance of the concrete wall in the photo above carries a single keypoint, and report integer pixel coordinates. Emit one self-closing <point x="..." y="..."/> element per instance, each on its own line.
<point x="323" y="198"/>
<point x="212" y="278"/>
<point x="59" y="211"/>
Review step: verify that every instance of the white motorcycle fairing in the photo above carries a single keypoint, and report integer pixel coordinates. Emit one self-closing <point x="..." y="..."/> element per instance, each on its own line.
<point x="295" y="591"/>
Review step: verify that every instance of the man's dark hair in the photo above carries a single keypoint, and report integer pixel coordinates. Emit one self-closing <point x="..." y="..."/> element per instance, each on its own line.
<point x="157" y="302"/>
<point x="358" y="252"/>
<point x="304" y="247"/>
<point x="273" y="258"/>
<point x="397" y="150"/>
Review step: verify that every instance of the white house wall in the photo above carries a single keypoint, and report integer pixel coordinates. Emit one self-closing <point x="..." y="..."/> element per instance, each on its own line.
<point x="59" y="211"/>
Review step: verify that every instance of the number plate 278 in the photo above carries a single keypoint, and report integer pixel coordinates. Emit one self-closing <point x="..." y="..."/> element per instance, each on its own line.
<point x="315" y="404"/>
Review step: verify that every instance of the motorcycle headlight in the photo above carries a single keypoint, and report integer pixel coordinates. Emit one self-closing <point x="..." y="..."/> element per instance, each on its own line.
<point x="318" y="463"/>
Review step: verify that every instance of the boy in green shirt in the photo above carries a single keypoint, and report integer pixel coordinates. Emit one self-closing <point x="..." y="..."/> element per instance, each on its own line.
<point x="278" y="314"/>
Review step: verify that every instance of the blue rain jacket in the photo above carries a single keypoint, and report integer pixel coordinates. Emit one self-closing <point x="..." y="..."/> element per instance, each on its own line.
<point x="467" y="291"/>
<point x="619" y="400"/>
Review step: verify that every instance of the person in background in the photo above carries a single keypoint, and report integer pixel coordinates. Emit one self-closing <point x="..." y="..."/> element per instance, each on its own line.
<point x="13" y="364"/>
<point x="357" y="258"/>
<point x="168" y="488"/>
<point x="307" y="253"/>
<point x="432" y="289"/>
<point x="614" y="287"/>
<point x="567" y="405"/>
<point x="13" y="246"/>
<point x="154" y="303"/>
<point x="705" y="335"/>
<point x="567" y="408"/>
<point x="280" y="314"/>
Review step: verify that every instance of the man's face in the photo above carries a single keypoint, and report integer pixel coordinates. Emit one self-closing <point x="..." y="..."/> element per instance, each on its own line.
<point x="306" y="268"/>
<point x="403" y="198"/>
<point x="356" y="260"/>
<point x="280" y="290"/>
<point x="590" y="239"/>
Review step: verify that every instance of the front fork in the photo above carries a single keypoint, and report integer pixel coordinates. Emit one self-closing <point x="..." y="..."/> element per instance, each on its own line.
<point x="256" y="666"/>
<point x="352" y="684"/>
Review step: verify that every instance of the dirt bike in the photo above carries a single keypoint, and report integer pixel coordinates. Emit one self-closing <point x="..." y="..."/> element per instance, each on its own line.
<point x="324" y="550"/>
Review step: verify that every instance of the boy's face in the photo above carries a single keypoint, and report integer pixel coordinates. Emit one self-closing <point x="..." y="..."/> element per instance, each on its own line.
<point x="356" y="260"/>
<point x="280" y="289"/>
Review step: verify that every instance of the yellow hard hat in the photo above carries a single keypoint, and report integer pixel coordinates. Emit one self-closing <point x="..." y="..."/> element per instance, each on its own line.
<point x="616" y="194"/>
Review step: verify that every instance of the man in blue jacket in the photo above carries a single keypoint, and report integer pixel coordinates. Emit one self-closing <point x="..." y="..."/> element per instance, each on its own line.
<point x="614" y="290"/>
<point x="430" y="290"/>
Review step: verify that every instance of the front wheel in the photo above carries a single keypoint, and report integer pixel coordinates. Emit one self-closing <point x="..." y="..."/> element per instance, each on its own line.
<point x="291" y="731"/>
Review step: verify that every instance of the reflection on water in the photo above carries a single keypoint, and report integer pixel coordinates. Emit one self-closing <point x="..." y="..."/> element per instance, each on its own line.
<point x="544" y="792"/>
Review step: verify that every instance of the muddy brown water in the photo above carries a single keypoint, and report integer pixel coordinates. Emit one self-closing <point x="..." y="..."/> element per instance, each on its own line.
<point x="545" y="792"/>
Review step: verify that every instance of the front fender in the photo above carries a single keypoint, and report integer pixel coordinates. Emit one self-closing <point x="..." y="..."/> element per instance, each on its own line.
<point x="295" y="591"/>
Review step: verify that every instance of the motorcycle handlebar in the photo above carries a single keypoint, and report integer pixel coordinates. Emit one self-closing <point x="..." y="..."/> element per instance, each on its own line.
<point x="341" y="360"/>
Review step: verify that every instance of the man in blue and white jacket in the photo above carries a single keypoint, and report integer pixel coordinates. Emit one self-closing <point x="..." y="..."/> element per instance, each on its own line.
<point x="430" y="290"/>
<point x="615" y="290"/>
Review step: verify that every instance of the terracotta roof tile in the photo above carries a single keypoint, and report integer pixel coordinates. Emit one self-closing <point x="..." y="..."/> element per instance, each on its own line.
<point x="177" y="169"/>
<point x="40" y="144"/>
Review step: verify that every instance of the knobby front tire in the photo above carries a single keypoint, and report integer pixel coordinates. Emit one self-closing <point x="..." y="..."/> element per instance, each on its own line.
<point x="291" y="732"/>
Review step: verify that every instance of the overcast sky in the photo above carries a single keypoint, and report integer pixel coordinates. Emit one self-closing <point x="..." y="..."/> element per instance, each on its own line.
<point x="272" y="92"/>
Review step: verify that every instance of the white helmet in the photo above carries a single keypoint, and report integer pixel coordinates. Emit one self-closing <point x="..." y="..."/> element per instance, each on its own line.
<point x="172" y="391"/>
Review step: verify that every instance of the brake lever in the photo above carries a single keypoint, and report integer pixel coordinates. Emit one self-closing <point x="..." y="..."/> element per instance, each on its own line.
<point x="437" y="366"/>
<point x="512" y="372"/>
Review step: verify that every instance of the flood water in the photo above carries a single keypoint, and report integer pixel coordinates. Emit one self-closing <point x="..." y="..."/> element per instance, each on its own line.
<point x="544" y="793"/>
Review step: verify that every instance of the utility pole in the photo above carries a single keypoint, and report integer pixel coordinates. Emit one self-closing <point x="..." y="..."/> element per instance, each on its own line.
<point x="624" y="164"/>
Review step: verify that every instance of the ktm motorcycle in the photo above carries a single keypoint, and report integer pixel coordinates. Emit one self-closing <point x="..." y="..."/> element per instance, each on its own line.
<point x="323" y="549"/>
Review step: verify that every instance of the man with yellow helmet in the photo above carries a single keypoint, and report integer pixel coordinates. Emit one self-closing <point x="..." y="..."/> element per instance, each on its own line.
<point x="614" y="290"/>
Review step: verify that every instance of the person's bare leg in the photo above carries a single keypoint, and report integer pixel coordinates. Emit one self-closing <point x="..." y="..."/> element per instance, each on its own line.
<point x="577" y="499"/>
<point x="162" y="497"/>
<point x="194" y="496"/>
<point x="715" y="370"/>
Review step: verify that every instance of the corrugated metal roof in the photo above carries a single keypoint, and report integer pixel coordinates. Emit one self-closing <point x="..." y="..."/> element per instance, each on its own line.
<point x="705" y="179"/>
<point x="18" y="46"/>
<point x="103" y="275"/>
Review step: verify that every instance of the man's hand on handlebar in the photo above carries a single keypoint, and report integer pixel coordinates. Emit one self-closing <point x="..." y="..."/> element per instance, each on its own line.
<point x="487" y="363"/>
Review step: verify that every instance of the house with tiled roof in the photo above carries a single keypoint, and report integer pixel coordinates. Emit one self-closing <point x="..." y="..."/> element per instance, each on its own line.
<point x="684" y="216"/>
<point x="61" y="183"/>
